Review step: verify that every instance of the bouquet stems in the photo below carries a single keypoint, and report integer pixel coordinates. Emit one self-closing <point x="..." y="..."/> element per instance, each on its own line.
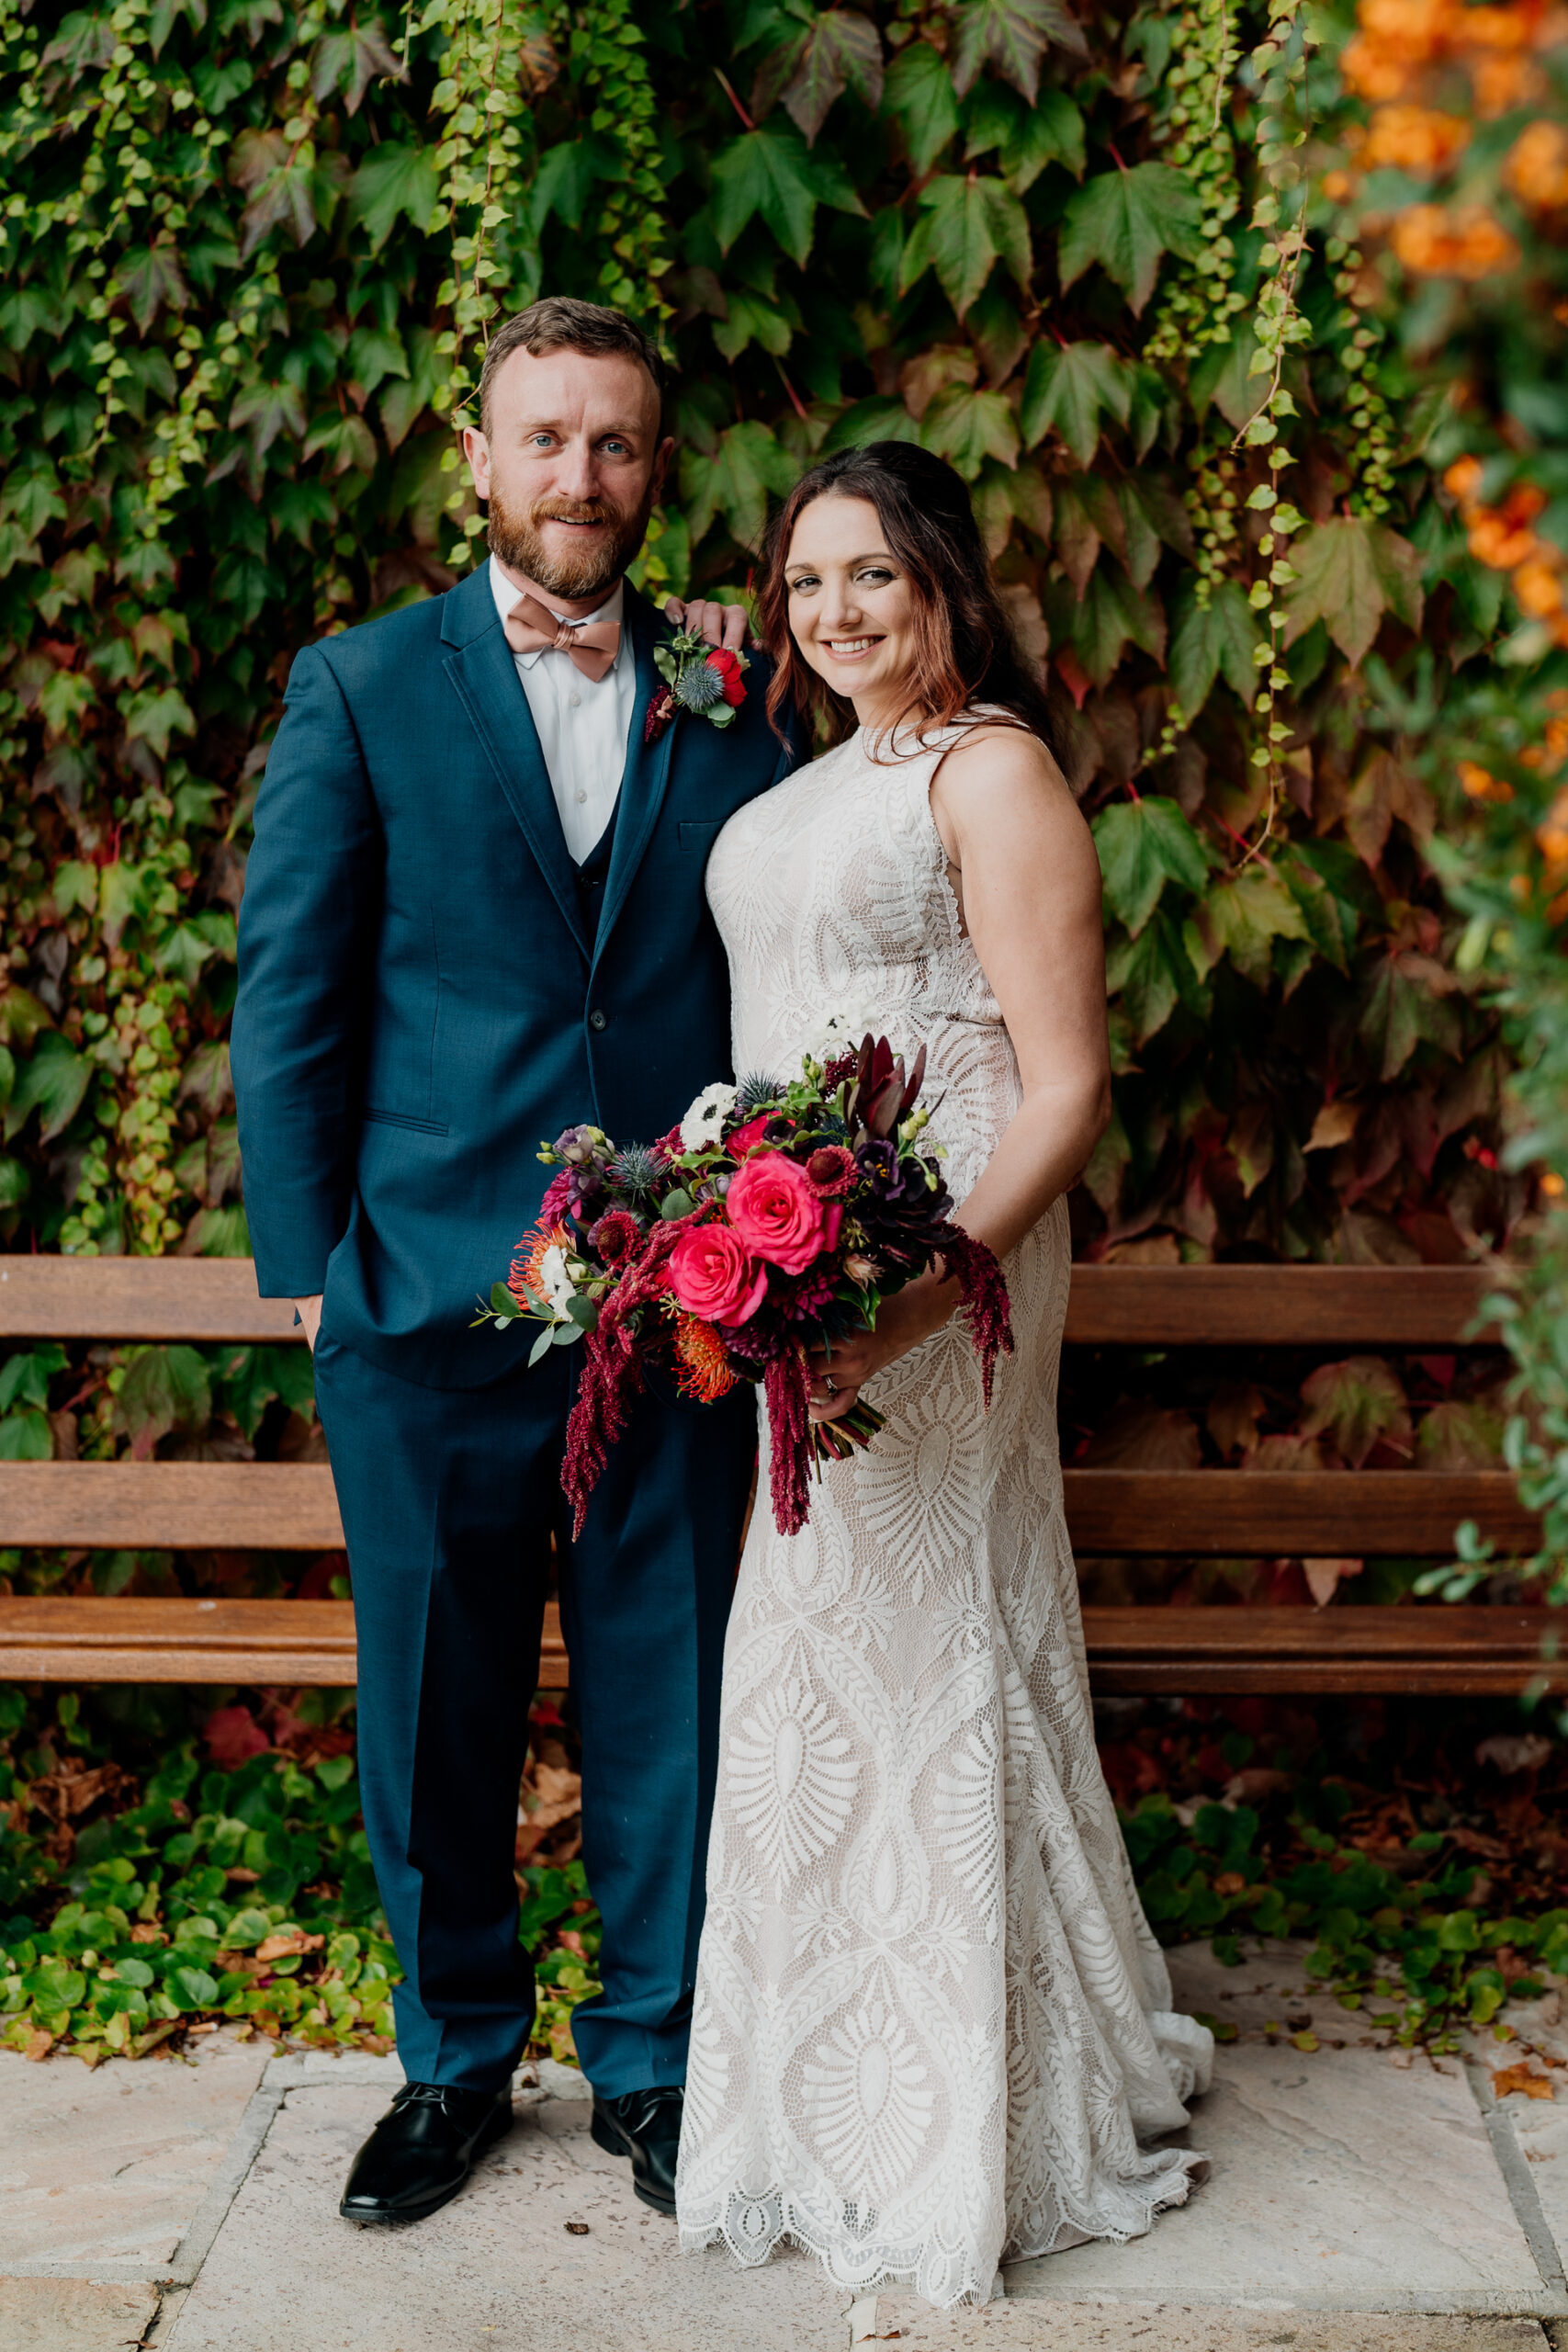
<point x="851" y="1432"/>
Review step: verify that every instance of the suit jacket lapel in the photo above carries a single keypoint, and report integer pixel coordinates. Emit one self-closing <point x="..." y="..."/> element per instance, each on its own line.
<point x="647" y="774"/>
<point x="484" y="675"/>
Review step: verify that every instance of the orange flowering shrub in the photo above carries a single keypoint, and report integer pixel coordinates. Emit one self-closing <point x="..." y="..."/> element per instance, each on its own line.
<point x="1537" y="168"/>
<point x="1412" y="139"/>
<point x="1502" y="539"/>
<point x="1402" y="43"/>
<point x="1434" y="240"/>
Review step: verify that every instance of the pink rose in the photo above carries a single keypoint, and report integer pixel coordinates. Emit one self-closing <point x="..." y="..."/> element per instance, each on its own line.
<point x="712" y="1276"/>
<point x="746" y="1139"/>
<point x="778" y="1214"/>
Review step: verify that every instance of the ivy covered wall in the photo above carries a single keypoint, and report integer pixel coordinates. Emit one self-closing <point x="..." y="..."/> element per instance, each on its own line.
<point x="1129" y="274"/>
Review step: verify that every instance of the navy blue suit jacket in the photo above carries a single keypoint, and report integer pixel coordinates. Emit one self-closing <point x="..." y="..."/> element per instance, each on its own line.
<point x="418" y="1008"/>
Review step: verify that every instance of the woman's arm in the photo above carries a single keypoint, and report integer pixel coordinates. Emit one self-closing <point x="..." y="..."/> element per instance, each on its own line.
<point x="1029" y="884"/>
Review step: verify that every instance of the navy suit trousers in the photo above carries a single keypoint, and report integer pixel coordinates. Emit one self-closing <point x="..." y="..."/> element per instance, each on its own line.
<point x="449" y="1499"/>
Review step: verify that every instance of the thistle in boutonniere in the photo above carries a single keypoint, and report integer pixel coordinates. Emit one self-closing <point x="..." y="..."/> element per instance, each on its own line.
<point x="699" y="677"/>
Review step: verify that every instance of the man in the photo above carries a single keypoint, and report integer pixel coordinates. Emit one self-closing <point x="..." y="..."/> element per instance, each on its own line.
<point x="474" y="916"/>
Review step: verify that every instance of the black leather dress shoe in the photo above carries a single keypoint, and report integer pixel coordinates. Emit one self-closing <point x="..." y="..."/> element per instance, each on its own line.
<point x="646" y="2126"/>
<point x="420" y="2153"/>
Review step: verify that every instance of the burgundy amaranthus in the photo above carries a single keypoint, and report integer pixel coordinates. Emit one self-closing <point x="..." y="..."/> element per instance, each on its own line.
<point x="612" y="1376"/>
<point x="985" y="1308"/>
<point x="787" y="1385"/>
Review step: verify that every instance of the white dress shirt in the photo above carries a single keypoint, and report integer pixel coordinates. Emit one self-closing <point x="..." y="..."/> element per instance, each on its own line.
<point x="583" y="723"/>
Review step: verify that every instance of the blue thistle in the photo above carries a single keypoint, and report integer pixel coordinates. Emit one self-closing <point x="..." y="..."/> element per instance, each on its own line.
<point x="754" y="1089"/>
<point x="698" y="687"/>
<point x="635" y="1172"/>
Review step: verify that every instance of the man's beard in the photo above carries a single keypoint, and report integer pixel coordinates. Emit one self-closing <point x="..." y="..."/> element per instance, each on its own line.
<point x="515" y="537"/>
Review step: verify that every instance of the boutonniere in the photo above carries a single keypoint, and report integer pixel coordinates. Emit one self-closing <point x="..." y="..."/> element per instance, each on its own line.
<point x="699" y="677"/>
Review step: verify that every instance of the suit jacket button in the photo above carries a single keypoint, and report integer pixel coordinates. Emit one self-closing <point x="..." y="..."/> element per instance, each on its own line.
<point x="597" y="1019"/>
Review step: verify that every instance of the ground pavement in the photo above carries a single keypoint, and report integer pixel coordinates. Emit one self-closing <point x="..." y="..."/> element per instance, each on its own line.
<point x="1358" y="2202"/>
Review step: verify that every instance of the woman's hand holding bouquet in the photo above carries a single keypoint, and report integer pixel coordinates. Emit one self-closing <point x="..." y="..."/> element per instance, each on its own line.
<point x="775" y="1221"/>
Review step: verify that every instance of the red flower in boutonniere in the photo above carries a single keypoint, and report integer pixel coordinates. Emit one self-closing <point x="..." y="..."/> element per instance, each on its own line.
<point x="729" y="666"/>
<point x="705" y="680"/>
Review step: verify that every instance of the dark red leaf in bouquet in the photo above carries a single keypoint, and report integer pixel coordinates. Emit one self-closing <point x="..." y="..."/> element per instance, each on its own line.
<point x="911" y="1093"/>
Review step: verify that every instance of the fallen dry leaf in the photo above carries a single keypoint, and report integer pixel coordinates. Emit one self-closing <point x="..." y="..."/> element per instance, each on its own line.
<point x="38" y="2045"/>
<point x="285" y="1947"/>
<point x="578" y="2228"/>
<point x="1325" y="1578"/>
<point x="1521" y="2077"/>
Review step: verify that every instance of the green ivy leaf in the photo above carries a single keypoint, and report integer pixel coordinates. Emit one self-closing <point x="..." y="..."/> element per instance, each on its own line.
<point x="25" y="1437"/>
<point x="919" y="95"/>
<point x="882" y="419"/>
<point x="25" y="1377"/>
<point x="1011" y="36"/>
<point x="966" y="427"/>
<point x="735" y="481"/>
<point x="164" y="1389"/>
<point x="51" y="1082"/>
<point x="566" y="177"/>
<point x="280" y="187"/>
<point x="1213" y="641"/>
<point x="350" y="59"/>
<point x="841" y="50"/>
<point x="1150" y="975"/>
<point x="967" y="225"/>
<point x="268" y="410"/>
<point x="1241" y="917"/>
<point x="774" y="173"/>
<point x="1068" y="387"/>
<point x="1026" y="137"/>
<point x="151" y="718"/>
<point x="1110" y="613"/>
<point x="394" y="182"/>
<point x="1125" y="220"/>
<point x="1352" y="570"/>
<point x="1143" y="844"/>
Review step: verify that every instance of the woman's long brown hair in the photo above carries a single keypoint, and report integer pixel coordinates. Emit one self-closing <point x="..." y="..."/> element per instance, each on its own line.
<point x="965" y="650"/>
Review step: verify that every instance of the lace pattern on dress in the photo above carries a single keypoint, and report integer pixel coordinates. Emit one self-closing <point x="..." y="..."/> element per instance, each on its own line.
<point x="931" y="2023"/>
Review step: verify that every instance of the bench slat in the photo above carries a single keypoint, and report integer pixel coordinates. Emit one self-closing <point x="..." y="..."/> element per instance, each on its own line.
<point x="171" y="1506"/>
<point x="62" y="1639"/>
<point x="139" y="1299"/>
<point x="1205" y="1514"/>
<point x="1226" y="1514"/>
<point x="1382" y="1307"/>
<point x="1374" y="1306"/>
<point x="1427" y="1651"/>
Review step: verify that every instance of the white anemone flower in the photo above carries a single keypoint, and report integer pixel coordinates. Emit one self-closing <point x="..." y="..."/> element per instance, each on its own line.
<point x="842" y="1031"/>
<point x="555" y="1280"/>
<point x="704" y="1120"/>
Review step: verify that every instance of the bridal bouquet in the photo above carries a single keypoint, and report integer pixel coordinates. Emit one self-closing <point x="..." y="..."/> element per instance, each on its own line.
<point x="776" y="1218"/>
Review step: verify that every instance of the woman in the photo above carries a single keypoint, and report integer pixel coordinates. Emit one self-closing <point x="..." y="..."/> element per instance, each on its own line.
<point x="930" y="2019"/>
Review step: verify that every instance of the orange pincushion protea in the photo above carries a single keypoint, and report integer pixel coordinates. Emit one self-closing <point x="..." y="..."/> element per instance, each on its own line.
<point x="701" y="1367"/>
<point x="524" y="1281"/>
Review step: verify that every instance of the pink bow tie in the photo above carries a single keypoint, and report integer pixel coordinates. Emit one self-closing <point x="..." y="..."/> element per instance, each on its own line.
<point x="592" y="646"/>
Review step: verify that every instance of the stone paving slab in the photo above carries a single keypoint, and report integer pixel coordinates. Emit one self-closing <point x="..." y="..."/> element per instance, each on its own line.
<point x="74" y="2315"/>
<point x="497" y="2267"/>
<point x="1340" y="2180"/>
<point x="103" y="2169"/>
<point x="1172" y="2327"/>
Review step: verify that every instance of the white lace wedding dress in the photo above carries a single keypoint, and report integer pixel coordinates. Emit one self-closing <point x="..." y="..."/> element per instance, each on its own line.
<point x="931" y="2020"/>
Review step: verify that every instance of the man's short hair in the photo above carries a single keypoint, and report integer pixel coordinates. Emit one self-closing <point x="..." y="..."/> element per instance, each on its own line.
<point x="563" y="323"/>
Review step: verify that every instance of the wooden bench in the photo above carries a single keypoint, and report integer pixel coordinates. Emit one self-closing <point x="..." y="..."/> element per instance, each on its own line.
<point x="182" y="1506"/>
